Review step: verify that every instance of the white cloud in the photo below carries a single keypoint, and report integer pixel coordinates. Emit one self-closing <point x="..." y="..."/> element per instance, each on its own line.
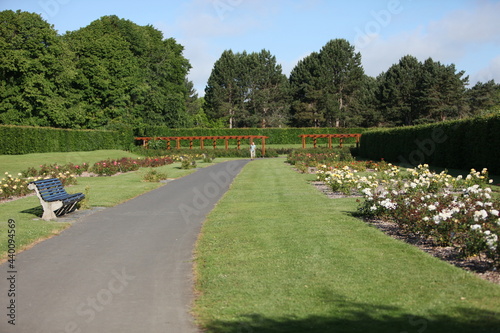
<point x="449" y="40"/>
<point x="199" y="26"/>
<point x="490" y="72"/>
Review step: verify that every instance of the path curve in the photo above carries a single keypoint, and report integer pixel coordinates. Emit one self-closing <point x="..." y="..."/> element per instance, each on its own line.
<point x="124" y="269"/>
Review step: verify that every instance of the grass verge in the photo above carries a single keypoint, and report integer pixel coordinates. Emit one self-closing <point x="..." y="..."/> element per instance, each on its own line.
<point x="276" y="255"/>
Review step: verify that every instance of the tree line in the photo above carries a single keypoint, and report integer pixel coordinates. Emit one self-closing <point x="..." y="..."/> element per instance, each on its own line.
<point x="330" y="89"/>
<point x="114" y="72"/>
<point x="108" y="73"/>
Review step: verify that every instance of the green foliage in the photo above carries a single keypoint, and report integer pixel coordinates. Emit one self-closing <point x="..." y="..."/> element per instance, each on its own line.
<point x="460" y="144"/>
<point x="154" y="176"/>
<point x="411" y="92"/>
<point x="36" y="72"/>
<point x="317" y="156"/>
<point x="112" y="71"/>
<point x="120" y="62"/>
<point x="324" y="85"/>
<point x="188" y="163"/>
<point x="484" y="98"/>
<point x="24" y="140"/>
<point x="248" y="90"/>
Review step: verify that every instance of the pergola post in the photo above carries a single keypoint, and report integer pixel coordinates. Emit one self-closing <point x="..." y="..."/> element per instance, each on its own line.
<point x="263" y="146"/>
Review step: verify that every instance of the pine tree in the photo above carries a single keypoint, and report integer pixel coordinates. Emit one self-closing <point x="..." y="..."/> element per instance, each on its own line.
<point x="247" y="89"/>
<point x="442" y="92"/>
<point x="341" y="75"/>
<point x="305" y="92"/>
<point x="324" y="85"/>
<point x="398" y="91"/>
<point x="484" y="98"/>
<point x="223" y="93"/>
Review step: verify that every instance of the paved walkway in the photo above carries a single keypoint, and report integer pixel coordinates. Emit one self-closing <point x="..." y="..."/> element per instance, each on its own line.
<point x="124" y="269"/>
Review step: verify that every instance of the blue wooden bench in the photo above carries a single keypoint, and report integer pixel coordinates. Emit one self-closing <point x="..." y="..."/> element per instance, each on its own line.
<point x="54" y="198"/>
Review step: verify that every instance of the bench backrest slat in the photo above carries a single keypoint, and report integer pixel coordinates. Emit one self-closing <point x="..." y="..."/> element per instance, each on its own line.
<point x="50" y="188"/>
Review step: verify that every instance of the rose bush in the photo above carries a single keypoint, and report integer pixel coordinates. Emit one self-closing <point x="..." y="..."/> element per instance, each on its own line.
<point x="452" y="211"/>
<point x="11" y="186"/>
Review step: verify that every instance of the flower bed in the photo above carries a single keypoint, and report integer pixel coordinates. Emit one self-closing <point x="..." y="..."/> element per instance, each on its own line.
<point x="18" y="186"/>
<point x="455" y="212"/>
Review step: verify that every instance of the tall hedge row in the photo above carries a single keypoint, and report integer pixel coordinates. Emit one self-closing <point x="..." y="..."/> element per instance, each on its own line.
<point x="24" y="140"/>
<point x="276" y="135"/>
<point x="461" y="144"/>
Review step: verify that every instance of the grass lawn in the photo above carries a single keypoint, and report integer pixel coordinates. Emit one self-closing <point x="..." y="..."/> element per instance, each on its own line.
<point x="17" y="163"/>
<point x="101" y="192"/>
<point x="276" y="255"/>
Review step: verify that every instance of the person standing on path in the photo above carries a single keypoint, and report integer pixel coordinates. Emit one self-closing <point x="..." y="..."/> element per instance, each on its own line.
<point x="252" y="150"/>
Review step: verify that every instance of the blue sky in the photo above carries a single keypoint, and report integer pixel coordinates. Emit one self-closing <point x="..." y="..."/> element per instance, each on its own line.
<point x="463" y="32"/>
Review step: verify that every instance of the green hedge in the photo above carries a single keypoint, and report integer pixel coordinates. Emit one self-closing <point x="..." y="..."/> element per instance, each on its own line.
<point x="24" y="140"/>
<point x="276" y="135"/>
<point x="461" y="144"/>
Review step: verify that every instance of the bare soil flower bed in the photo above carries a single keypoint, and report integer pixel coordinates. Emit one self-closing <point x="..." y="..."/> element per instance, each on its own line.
<point x="481" y="266"/>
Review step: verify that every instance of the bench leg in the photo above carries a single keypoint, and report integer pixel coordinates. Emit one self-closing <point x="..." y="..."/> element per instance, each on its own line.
<point x="66" y="209"/>
<point x="49" y="209"/>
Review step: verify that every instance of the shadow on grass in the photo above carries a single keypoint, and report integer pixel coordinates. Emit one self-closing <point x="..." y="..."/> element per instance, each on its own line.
<point x="36" y="211"/>
<point x="357" y="317"/>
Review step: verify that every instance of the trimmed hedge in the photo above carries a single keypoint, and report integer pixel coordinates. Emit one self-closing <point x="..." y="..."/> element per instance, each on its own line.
<point x="276" y="135"/>
<point x="16" y="140"/>
<point x="461" y="144"/>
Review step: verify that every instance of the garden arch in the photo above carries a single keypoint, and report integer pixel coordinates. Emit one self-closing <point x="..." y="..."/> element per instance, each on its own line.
<point x="202" y="139"/>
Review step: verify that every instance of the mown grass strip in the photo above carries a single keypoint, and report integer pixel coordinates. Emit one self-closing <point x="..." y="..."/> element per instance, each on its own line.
<point x="276" y="255"/>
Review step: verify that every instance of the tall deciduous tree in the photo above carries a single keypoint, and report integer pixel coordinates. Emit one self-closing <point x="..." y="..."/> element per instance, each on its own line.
<point x="129" y="74"/>
<point x="35" y="72"/>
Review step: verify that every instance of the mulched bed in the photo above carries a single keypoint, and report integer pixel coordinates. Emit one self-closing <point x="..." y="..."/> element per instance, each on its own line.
<point x="481" y="266"/>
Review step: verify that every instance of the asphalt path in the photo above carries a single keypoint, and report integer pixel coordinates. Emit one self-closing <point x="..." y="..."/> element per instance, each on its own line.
<point x="123" y="269"/>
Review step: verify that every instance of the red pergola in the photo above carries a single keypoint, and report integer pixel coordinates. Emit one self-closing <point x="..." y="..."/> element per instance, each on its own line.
<point x="329" y="136"/>
<point x="202" y="139"/>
